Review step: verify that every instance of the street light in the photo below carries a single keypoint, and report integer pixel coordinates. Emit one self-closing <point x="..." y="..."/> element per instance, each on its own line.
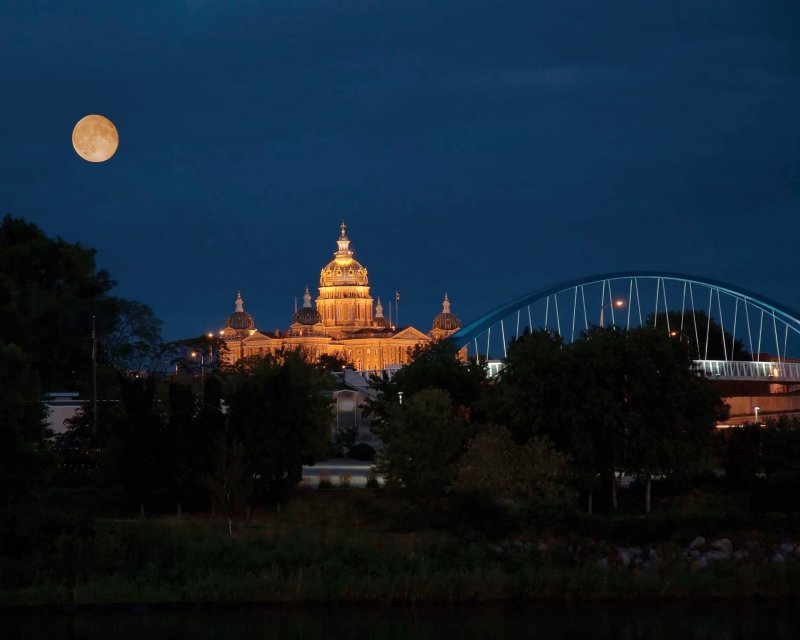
<point x="400" y="396"/>
<point x="756" y="409"/>
<point x="202" y="363"/>
<point x="681" y="336"/>
<point x="619" y="304"/>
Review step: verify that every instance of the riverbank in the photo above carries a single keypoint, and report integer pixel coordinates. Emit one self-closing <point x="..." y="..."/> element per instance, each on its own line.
<point x="357" y="547"/>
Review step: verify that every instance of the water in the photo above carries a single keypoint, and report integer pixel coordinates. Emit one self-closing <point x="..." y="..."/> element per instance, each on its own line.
<point x="540" y="622"/>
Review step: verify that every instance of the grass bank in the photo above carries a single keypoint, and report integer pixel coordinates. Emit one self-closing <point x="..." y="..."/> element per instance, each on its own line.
<point x="364" y="548"/>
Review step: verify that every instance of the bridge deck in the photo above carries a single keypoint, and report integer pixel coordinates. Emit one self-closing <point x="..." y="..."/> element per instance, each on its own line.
<point x="781" y="372"/>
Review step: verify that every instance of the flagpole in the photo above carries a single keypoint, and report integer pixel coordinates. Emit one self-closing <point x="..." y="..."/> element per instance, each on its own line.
<point x="94" y="376"/>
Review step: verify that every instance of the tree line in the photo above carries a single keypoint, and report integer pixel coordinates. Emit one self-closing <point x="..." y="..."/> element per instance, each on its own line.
<point x="229" y="438"/>
<point x="560" y="423"/>
<point x="559" y="419"/>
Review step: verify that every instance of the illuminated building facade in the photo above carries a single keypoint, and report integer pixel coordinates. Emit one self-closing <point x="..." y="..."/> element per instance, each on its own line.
<point x="344" y="322"/>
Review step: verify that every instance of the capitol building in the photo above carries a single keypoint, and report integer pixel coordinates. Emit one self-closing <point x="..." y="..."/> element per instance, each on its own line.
<point x="343" y="321"/>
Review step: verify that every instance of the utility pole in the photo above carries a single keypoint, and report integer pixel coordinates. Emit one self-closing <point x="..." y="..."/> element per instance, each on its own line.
<point x="94" y="375"/>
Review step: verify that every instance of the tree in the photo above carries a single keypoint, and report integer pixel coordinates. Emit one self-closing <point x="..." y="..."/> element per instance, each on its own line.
<point x="781" y="446"/>
<point x="132" y="339"/>
<point x="138" y="452"/>
<point x="740" y="450"/>
<point x="423" y="438"/>
<point x="670" y="411"/>
<point x="593" y="408"/>
<point x="25" y="457"/>
<point x="613" y="400"/>
<point x="333" y="362"/>
<point x="433" y="366"/>
<point x="496" y="465"/>
<point x="49" y="291"/>
<point x="705" y="337"/>
<point x="229" y="484"/>
<point x="281" y="414"/>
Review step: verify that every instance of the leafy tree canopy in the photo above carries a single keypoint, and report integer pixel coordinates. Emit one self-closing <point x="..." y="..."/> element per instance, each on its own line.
<point x="25" y="460"/>
<point x="423" y="438"/>
<point x="705" y="337"/>
<point x="433" y="366"/>
<point x="49" y="291"/>
<point x="280" y="413"/>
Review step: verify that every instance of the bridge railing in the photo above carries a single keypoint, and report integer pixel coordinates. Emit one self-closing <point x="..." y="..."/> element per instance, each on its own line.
<point x="749" y="370"/>
<point x="782" y="372"/>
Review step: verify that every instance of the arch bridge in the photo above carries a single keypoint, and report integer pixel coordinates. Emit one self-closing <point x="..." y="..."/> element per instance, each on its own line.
<point x="736" y="334"/>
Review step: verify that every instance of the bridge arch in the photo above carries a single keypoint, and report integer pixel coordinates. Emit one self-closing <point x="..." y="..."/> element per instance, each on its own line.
<point x="746" y="311"/>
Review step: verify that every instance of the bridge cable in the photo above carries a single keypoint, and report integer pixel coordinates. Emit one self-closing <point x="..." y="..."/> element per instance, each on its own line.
<point x="775" y="327"/>
<point x="630" y="298"/>
<point x="722" y="327"/>
<point x="574" y="313"/>
<point x="558" y="317"/>
<point x="655" y="313"/>
<point x="683" y="304"/>
<point x="530" y="319"/>
<point x="708" y="322"/>
<point x="733" y="332"/>
<point x="585" y="316"/>
<point x="749" y="332"/>
<point x="638" y="300"/>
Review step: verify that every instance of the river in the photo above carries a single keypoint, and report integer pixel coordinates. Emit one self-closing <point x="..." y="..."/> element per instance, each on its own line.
<point x="540" y="622"/>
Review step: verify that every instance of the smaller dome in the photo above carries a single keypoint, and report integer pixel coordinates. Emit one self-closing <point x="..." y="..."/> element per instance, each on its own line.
<point x="307" y="314"/>
<point x="446" y="321"/>
<point x="240" y="320"/>
<point x="379" y="321"/>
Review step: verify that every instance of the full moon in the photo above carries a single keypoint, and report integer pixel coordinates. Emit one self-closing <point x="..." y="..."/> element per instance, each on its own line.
<point x="95" y="138"/>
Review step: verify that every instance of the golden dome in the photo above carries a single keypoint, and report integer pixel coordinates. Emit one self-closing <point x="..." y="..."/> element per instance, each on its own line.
<point x="343" y="270"/>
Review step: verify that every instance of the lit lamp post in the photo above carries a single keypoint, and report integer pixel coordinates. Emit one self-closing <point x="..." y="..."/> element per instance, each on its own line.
<point x="400" y="396"/>
<point x="195" y="356"/>
<point x="681" y="336"/>
<point x="619" y="304"/>
<point x="756" y="409"/>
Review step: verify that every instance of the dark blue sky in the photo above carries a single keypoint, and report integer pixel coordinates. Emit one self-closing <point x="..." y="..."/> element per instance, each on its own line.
<point x="481" y="148"/>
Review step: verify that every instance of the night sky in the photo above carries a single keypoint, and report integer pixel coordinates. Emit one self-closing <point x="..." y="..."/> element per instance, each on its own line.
<point x="485" y="149"/>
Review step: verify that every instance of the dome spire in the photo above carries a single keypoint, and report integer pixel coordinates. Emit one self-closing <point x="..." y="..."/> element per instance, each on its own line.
<point x="379" y="309"/>
<point x="446" y="304"/>
<point x="306" y="299"/>
<point x="344" y="253"/>
<point x="239" y="302"/>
